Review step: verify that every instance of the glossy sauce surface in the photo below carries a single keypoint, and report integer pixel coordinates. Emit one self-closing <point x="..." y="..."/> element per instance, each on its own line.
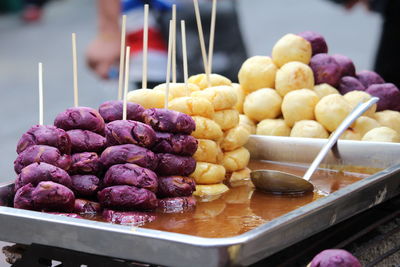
<point x="243" y="208"/>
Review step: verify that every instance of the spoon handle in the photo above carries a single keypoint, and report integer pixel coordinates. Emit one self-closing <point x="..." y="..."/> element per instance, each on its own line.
<point x="354" y="114"/>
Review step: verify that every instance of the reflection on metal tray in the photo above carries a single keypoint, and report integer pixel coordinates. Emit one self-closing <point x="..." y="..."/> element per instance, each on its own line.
<point x="158" y="247"/>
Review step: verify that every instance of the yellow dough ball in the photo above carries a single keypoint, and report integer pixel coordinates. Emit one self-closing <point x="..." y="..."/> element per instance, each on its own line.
<point x="235" y="138"/>
<point x="262" y="104"/>
<point x="240" y="97"/>
<point x="257" y="72"/>
<point x="293" y="76"/>
<point x="331" y="110"/>
<point x="364" y="124"/>
<point x="210" y="192"/>
<point x="193" y="106"/>
<point x="222" y="97"/>
<point x="309" y="129"/>
<point x="208" y="151"/>
<point x="325" y="89"/>
<point x="273" y="127"/>
<point x="148" y="98"/>
<point x="299" y="105"/>
<point x="236" y="160"/>
<point x="382" y="134"/>
<point x="289" y="48"/>
<point x="238" y="176"/>
<point x="247" y="123"/>
<point x="215" y="80"/>
<point x="206" y="129"/>
<point x="208" y="173"/>
<point x="389" y="118"/>
<point x="226" y="119"/>
<point x="350" y="134"/>
<point x="356" y="97"/>
<point x="177" y="89"/>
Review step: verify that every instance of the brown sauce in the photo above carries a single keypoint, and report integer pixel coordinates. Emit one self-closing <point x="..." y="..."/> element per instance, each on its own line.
<point x="243" y="208"/>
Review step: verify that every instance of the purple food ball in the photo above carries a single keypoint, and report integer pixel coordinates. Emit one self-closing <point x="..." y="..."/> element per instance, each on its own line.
<point x="112" y="111"/>
<point x="368" y="78"/>
<point x="131" y="174"/>
<point x="86" y="141"/>
<point x="175" y="186"/>
<point x="83" y="118"/>
<point x="179" y="144"/>
<point x="85" y="185"/>
<point x="347" y="67"/>
<point x="86" y="206"/>
<point x="129" y="132"/>
<point x="348" y="84"/>
<point x="85" y="163"/>
<point x="45" y="135"/>
<point x="169" y="164"/>
<point x="166" y="120"/>
<point x="39" y="172"/>
<point x="42" y="153"/>
<point x="176" y="204"/>
<point x="317" y="41"/>
<point x="389" y="96"/>
<point x="129" y="153"/>
<point x="127" y="198"/>
<point x="23" y="197"/>
<point x="326" y="69"/>
<point x="335" y="258"/>
<point x="71" y="215"/>
<point x="131" y="218"/>
<point x="50" y="196"/>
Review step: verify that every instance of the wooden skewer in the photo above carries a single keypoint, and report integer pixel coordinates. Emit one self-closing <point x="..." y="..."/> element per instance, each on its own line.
<point x="145" y="45"/>
<point x="75" y="69"/>
<point x="201" y="37"/>
<point x="167" y="79"/>
<point x="40" y="93"/>
<point x="184" y="57"/>
<point x="174" y="43"/>
<point x="212" y="33"/>
<point x="127" y="56"/>
<point x="121" y="57"/>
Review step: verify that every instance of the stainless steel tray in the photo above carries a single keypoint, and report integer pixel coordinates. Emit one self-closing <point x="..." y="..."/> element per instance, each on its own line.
<point x="164" y="248"/>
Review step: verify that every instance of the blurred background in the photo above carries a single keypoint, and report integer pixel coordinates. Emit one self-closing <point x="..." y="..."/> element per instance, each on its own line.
<point x="354" y="33"/>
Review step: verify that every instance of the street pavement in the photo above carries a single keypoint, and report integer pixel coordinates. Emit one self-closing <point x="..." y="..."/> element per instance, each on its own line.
<point x="22" y="46"/>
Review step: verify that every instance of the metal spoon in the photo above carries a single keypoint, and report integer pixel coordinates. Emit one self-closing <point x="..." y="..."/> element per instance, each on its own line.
<point x="286" y="183"/>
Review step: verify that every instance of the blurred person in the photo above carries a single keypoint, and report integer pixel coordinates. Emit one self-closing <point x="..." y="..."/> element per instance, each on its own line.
<point x="103" y="53"/>
<point x="387" y="57"/>
<point x="33" y="10"/>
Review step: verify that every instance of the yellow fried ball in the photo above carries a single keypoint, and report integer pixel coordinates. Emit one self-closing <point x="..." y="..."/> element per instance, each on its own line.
<point x="382" y="134"/>
<point x="293" y="76"/>
<point x="238" y="176"/>
<point x="235" y="138"/>
<point x="289" y="48"/>
<point x="193" y="106"/>
<point x="177" y="89"/>
<point x="247" y="123"/>
<point x="350" y="134"/>
<point x="240" y="97"/>
<point x="355" y="97"/>
<point x="331" y="110"/>
<point x="325" y="89"/>
<point x="226" y="119"/>
<point x="257" y="72"/>
<point x="148" y="98"/>
<point x="273" y="127"/>
<point x="299" y="105"/>
<point x="222" y="97"/>
<point x="208" y="151"/>
<point x="209" y="193"/>
<point x="236" y="160"/>
<point x="208" y="173"/>
<point x="389" y="118"/>
<point x="364" y="124"/>
<point x="309" y="129"/>
<point x="262" y="104"/>
<point x="215" y="80"/>
<point x="206" y="129"/>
